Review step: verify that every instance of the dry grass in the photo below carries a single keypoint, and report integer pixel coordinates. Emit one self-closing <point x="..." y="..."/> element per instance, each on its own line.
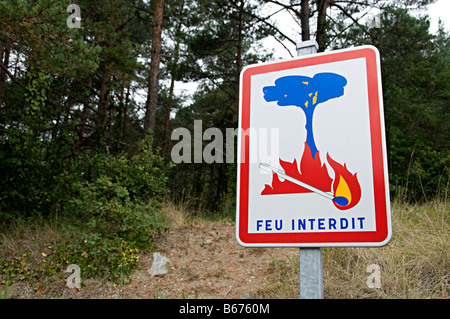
<point x="177" y="214"/>
<point x="186" y="212"/>
<point x="25" y="245"/>
<point x="29" y="237"/>
<point x="415" y="264"/>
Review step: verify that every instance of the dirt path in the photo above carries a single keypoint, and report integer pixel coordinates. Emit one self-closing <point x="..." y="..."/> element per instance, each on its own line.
<point x="206" y="262"/>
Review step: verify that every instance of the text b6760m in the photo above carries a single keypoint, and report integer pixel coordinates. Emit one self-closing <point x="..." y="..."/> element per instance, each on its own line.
<point x="246" y="308"/>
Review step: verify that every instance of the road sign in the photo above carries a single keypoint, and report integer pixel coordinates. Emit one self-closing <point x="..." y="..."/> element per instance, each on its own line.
<point x="312" y="168"/>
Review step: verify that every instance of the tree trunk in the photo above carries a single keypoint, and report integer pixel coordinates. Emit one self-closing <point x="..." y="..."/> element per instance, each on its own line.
<point x="69" y="107"/>
<point x="321" y="21"/>
<point x="125" y="113"/>
<point x="304" y="20"/>
<point x="102" y="104"/>
<point x="168" y="110"/>
<point x="84" y="115"/>
<point x="102" y="111"/>
<point x="238" y="63"/>
<point x="4" y="59"/>
<point x="172" y="80"/>
<point x="153" y="79"/>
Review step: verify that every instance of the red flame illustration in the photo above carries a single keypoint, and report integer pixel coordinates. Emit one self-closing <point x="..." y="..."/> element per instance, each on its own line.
<point x="313" y="172"/>
<point x="345" y="185"/>
<point x="346" y="189"/>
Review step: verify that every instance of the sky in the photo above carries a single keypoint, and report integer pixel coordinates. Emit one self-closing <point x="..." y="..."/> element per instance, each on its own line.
<point x="440" y="9"/>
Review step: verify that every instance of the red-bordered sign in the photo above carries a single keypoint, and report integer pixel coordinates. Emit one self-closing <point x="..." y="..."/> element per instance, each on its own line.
<point x="312" y="168"/>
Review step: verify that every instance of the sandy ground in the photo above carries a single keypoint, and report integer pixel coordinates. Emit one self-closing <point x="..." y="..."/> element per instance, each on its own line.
<point x="204" y="262"/>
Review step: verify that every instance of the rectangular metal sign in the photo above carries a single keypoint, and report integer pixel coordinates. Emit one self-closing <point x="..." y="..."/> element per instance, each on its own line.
<point x="312" y="168"/>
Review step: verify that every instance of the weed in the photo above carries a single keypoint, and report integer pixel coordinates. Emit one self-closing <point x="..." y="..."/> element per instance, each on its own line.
<point x="159" y="294"/>
<point x="4" y="295"/>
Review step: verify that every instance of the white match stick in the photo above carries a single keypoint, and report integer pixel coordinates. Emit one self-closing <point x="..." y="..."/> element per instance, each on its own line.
<point x="279" y="172"/>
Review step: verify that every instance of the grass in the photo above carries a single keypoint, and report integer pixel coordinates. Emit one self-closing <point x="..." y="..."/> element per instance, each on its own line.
<point x="415" y="264"/>
<point x="24" y="251"/>
<point x="185" y="212"/>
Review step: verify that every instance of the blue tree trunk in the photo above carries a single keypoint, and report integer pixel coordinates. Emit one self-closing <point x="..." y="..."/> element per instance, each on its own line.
<point x="309" y="131"/>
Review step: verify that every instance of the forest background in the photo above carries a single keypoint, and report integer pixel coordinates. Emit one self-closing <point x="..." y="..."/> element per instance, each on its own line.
<point x="87" y="113"/>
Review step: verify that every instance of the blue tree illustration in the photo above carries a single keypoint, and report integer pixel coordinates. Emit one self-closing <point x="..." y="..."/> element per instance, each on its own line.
<point x="306" y="93"/>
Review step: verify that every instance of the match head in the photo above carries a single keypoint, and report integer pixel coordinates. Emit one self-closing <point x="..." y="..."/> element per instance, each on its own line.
<point x="340" y="200"/>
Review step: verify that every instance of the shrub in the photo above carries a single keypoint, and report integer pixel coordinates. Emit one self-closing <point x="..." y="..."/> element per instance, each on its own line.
<point x="115" y="216"/>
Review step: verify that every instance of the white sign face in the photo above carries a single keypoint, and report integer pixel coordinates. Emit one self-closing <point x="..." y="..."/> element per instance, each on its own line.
<point x="313" y="169"/>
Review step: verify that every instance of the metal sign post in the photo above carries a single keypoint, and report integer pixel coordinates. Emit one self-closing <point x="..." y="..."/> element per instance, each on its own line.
<point x="311" y="269"/>
<point x="311" y="273"/>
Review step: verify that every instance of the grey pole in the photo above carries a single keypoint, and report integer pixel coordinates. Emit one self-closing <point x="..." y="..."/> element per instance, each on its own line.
<point x="307" y="47"/>
<point x="311" y="273"/>
<point x="311" y="269"/>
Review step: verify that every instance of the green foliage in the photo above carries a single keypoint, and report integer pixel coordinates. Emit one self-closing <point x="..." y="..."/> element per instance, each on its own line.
<point x="37" y="90"/>
<point x="115" y="216"/>
<point x="112" y="217"/>
<point x="99" y="255"/>
<point x="14" y="269"/>
<point x="144" y="175"/>
<point x="39" y="29"/>
<point x="22" y="267"/>
<point x="25" y="183"/>
<point x="414" y="67"/>
<point x="114" y="232"/>
<point x="68" y="141"/>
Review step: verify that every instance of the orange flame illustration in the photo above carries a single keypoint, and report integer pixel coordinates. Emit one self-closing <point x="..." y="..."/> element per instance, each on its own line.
<point x="346" y="188"/>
